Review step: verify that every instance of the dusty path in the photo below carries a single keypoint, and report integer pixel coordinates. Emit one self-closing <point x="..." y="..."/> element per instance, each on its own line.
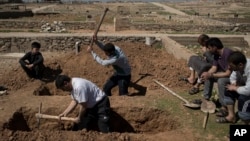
<point x="169" y="9"/>
<point x="35" y="10"/>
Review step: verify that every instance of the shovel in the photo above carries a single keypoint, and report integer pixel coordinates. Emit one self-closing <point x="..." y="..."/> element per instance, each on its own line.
<point x="187" y="103"/>
<point x="207" y="107"/>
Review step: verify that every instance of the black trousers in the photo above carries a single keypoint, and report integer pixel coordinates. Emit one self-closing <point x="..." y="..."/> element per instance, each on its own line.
<point x="121" y="81"/>
<point x="36" y="72"/>
<point x="99" y="114"/>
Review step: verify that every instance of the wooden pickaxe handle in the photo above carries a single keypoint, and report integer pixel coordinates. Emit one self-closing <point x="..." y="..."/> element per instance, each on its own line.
<point x="99" y="25"/>
<point x="44" y="116"/>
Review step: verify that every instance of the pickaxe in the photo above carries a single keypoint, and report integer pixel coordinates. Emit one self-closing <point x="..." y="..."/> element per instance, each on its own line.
<point x="39" y="115"/>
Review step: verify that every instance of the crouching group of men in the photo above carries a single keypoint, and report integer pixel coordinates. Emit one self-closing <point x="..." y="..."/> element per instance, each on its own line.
<point x="231" y="70"/>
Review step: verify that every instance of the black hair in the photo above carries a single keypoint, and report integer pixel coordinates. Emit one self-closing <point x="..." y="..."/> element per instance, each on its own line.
<point x="60" y="80"/>
<point x="214" y="42"/>
<point x="237" y="57"/>
<point x="35" y="44"/>
<point x="109" y="47"/>
<point x="203" y="39"/>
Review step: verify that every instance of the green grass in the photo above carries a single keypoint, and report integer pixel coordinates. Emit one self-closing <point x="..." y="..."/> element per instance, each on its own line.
<point x="193" y="119"/>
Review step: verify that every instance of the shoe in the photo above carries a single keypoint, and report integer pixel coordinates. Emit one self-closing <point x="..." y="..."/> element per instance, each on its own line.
<point x="194" y="90"/>
<point x="222" y="113"/>
<point x="223" y="120"/>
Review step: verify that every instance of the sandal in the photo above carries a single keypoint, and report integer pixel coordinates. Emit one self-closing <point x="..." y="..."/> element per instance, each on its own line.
<point x="194" y="90"/>
<point x="223" y="120"/>
<point x="222" y="113"/>
<point x="187" y="81"/>
<point x="184" y="79"/>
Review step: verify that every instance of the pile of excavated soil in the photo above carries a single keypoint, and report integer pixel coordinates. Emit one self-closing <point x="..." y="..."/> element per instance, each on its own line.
<point x="132" y="119"/>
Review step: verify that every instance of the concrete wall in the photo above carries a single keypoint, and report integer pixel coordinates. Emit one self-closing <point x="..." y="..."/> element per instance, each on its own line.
<point x="15" y="14"/>
<point x="20" y="24"/>
<point x="125" y="24"/>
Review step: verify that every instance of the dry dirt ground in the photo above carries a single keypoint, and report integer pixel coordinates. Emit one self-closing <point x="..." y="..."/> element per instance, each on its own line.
<point x="135" y="117"/>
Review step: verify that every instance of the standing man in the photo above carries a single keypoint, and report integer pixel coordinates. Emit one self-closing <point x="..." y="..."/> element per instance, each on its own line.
<point x="239" y="88"/>
<point x="118" y="60"/>
<point x="218" y="72"/>
<point x="32" y="62"/>
<point x="94" y="104"/>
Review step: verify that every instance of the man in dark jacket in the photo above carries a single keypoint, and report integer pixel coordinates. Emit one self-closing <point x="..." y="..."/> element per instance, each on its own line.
<point x="32" y="61"/>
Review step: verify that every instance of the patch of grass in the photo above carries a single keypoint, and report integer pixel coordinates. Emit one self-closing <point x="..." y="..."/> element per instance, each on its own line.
<point x="193" y="119"/>
<point x="164" y="13"/>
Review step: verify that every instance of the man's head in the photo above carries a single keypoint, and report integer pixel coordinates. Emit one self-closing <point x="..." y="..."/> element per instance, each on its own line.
<point x="35" y="46"/>
<point x="109" y="49"/>
<point x="237" y="61"/>
<point x="213" y="45"/>
<point x="63" y="82"/>
<point x="202" y="39"/>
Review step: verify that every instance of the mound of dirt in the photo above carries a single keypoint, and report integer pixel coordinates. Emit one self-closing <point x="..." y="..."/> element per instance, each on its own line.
<point x="147" y="62"/>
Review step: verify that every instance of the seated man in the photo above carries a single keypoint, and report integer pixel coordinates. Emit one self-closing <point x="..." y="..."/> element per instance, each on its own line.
<point x="32" y="62"/>
<point x="239" y="88"/>
<point x="199" y="64"/>
<point x="219" y="72"/>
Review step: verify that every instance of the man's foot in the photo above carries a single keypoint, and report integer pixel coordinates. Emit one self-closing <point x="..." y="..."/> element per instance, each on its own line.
<point x="188" y="80"/>
<point x="224" y="120"/>
<point x="194" y="90"/>
<point x="222" y="113"/>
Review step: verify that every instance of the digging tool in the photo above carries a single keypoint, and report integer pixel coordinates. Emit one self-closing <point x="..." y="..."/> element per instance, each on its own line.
<point x="99" y="25"/>
<point x="207" y="107"/>
<point x="187" y="104"/>
<point x="39" y="115"/>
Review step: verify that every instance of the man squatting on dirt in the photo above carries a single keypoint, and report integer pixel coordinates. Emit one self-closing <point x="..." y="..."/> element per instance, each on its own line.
<point x="239" y="88"/>
<point x="119" y="62"/>
<point x="218" y="72"/>
<point x="94" y="104"/>
<point x="32" y="61"/>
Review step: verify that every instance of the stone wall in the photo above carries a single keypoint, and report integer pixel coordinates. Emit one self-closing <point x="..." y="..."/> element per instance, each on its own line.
<point x="20" y="24"/>
<point x="59" y="43"/>
<point x="15" y="14"/>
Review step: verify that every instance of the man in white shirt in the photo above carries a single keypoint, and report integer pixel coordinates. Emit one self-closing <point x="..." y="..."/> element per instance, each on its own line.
<point x="93" y="102"/>
<point x="239" y="88"/>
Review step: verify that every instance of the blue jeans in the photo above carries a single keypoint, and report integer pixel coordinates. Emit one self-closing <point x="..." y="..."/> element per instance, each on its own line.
<point x="208" y="88"/>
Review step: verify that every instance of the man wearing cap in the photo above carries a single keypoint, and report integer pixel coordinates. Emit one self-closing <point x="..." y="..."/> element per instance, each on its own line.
<point x="32" y="61"/>
<point x="118" y="60"/>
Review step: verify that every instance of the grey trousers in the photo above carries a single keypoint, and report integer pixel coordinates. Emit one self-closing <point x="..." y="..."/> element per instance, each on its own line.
<point x="208" y="88"/>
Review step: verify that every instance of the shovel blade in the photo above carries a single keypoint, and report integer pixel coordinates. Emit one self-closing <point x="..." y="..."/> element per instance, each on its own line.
<point x="192" y="105"/>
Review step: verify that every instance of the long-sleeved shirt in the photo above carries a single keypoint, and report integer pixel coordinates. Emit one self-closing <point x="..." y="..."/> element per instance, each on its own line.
<point x="242" y="80"/>
<point x="34" y="59"/>
<point x="118" y="61"/>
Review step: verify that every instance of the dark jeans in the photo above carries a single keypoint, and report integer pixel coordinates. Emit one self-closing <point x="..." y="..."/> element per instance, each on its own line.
<point x="100" y="113"/>
<point x="36" y="72"/>
<point x="208" y="87"/>
<point x="121" y="81"/>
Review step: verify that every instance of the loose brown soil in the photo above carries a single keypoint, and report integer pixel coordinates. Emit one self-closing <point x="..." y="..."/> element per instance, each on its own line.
<point x="133" y="118"/>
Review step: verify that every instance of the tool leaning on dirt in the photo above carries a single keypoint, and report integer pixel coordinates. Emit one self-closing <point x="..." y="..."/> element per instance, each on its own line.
<point x="187" y="103"/>
<point x="207" y="107"/>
